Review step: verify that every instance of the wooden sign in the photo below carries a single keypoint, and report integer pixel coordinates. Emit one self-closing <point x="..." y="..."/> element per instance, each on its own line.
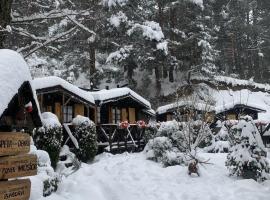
<point x="18" y="166"/>
<point x="15" y="190"/>
<point x="14" y="143"/>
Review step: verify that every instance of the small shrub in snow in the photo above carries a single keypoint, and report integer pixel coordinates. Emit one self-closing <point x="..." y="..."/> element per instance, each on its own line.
<point x="85" y="133"/>
<point x="160" y="149"/>
<point x="247" y="156"/>
<point x="46" y="177"/>
<point x="150" y="132"/>
<point x="49" y="137"/>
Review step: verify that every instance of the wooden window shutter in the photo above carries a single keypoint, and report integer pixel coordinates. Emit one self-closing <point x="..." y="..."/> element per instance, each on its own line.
<point x="79" y="110"/>
<point x="132" y="115"/>
<point x="124" y="113"/>
<point x="57" y="109"/>
<point x="49" y="109"/>
<point x="231" y="117"/>
<point x="169" y="117"/>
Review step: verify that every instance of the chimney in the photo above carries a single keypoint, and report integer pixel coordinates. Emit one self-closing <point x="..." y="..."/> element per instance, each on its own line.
<point x="118" y="86"/>
<point x="107" y="87"/>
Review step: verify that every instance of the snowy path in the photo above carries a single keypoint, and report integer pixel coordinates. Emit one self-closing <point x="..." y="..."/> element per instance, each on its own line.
<point x="131" y="177"/>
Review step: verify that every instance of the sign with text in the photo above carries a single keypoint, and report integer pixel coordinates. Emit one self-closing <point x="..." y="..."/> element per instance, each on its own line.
<point x="15" y="190"/>
<point x="18" y="166"/>
<point x="14" y="143"/>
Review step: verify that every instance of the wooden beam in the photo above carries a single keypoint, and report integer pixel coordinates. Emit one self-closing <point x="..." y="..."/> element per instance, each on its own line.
<point x="15" y="189"/>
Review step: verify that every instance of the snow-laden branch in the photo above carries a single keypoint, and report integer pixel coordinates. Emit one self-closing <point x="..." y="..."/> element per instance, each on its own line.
<point x="50" y="40"/>
<point x="53" y="14"/>
<point x="81" y="25"/>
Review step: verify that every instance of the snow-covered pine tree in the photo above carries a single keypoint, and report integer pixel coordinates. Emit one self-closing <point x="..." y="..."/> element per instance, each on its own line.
<point x="85" y="133"/>
<point x="247" y="156"/>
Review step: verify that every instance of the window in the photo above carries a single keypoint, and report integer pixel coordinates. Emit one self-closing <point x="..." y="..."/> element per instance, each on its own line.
<point x="116" y="115"/>
<point x="67" y="114"/>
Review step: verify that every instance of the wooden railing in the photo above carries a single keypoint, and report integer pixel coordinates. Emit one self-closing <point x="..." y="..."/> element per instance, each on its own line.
<point x="115" y="139"/>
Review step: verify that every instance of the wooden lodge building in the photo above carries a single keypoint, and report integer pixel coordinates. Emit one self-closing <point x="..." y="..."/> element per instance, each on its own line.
<point x="233" y="111"/>
<point x="19" y="109"/>
<point x="107" y="108"/>
<point x="121" y="104"/>
<point x="63" y="99"/>
<point x="184" y="110"/>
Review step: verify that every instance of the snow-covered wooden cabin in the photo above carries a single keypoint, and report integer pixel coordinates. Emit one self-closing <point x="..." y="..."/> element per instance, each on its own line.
<point x="64" y="99"/>
<point x="18" y="107"/>
<point x="234" y="110"/>
<point x="121" y="104"/>
<point x="115" y="107"/>
<point x="184" y="110"/>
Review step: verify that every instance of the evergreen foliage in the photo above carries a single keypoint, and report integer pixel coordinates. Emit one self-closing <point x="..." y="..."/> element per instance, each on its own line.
<point x="49" y="139"/>
<point x="247" y="156"/>
<point x="85" y="133"/>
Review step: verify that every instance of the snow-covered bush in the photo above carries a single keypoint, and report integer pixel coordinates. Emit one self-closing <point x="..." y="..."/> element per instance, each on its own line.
<point x="46" y="181"/>
<point x="49" y="137"/>
<point x="160" y="149"/>
<point x="85" y="133"/>
<point x="150" y="132"/>
<point x="247" y="156"/>
<point x="68" y="163"/>
<point x="220" y="142"/>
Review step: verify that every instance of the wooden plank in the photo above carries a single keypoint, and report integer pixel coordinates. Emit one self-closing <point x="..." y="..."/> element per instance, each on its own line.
<point x="79" y="110"/>
<point x="14" y="143"/>
<point x="124" y="114"/>
<point x="15" y="190"/>
<point x="18" y="166"/>
<point x="57" y="110"/>
<point x="132" y="115"/>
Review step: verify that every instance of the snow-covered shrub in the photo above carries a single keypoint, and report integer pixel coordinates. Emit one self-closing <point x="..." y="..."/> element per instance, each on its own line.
<point x="150" y="132"/>
<point x="247" y="156"/>
<point x="85" y="133"/>
<point x="46" y="181"/>
<point x="68" y="163"/>
<point x="49" y="137"/>
<point x="220" y="142"/>
<point x="160" y="149"/>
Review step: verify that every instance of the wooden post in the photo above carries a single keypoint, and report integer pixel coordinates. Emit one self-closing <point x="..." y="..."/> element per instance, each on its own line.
<point x="110" y="140"/>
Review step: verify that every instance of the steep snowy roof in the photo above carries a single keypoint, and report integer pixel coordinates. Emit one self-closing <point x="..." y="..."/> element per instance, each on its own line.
<point x="13" y="73"/>
<point x="198" y="106"/>
<point x="52" y="81"/>
<point x="110" y="95"/>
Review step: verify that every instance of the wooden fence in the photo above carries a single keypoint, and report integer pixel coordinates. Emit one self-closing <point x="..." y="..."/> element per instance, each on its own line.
<point x="114" y="139"/>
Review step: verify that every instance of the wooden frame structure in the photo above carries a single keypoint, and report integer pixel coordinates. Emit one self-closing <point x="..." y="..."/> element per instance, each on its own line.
<point x="15" y="117"/>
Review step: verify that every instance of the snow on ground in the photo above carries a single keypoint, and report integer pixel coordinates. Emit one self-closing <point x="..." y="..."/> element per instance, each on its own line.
<point x="132" y="177"/>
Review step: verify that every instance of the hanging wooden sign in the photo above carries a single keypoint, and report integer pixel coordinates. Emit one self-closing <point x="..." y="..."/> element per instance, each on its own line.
<point x="14" y="143"/>
<point x="15" y="190"/>
<point x="18" y="166"/>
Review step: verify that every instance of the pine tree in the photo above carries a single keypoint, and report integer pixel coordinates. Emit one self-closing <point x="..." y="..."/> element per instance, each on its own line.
<point x="247" y="156"/>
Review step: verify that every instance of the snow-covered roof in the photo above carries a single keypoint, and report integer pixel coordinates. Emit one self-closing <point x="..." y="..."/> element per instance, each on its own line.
<point x="231" y="105"/>
<point x="52" y="81"/>
<point x="112" y="94"/>
<point x="13" y="73"/>
<point x="197" y="106"/>
<point x="150" y="111"/>
<point x="226" y="99"/>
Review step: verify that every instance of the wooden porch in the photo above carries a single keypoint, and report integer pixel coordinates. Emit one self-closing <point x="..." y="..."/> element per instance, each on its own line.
<point x="114" y="139"/>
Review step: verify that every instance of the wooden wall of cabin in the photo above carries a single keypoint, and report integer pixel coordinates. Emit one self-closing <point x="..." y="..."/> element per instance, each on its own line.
<point x="111" y="114"/>
<point x="65" y="108"/>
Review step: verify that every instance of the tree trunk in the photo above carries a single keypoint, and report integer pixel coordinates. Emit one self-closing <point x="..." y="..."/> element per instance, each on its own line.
<point x="5" y="18"/>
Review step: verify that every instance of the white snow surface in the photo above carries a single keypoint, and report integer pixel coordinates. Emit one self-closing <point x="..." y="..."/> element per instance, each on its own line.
<point x="198" y="106"/>
<point x="51" y="81"/>
<point x="50" y="120"/>
<point x="132" y="177"/>
<point x="14" y="72"/>
<point x="78" y="120"/>
<point x="104" y="95"/>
